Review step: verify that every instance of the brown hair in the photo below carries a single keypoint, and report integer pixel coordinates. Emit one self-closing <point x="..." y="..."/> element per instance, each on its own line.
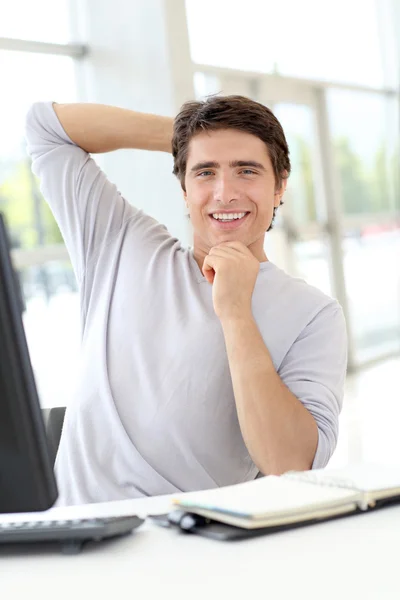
<point x="230" y="112"/>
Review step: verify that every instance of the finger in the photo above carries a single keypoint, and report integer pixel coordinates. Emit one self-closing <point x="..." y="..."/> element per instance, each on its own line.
<point x="233" y="244"/>
<point x="236" y="246"/>
<point x="223" y="252"/>
<point x="213" y="262"/>
<point x="208" y="270"/>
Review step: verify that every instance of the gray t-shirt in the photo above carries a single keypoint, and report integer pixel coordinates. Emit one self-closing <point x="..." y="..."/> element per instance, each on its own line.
<point x="153" y="410"/>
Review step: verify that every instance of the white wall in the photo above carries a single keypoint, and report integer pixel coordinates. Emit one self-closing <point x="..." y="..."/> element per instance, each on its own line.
<point x="139" y="59"/>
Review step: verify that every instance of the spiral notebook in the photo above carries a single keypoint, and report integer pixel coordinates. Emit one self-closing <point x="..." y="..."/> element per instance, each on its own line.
<point x="296" y="497"/>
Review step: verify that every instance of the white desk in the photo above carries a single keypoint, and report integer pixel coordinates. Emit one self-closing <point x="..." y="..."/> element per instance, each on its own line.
<point x="354" y="558"/>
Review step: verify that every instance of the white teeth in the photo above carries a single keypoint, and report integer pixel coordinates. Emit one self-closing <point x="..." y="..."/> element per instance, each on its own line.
<point x="228" y="216"/>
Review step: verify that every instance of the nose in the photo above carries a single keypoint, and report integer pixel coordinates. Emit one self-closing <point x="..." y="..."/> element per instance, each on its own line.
<point x="225" y="190"/>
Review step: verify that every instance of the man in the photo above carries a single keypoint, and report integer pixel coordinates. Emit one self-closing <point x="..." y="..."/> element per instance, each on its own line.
<point x="200" y="367"/>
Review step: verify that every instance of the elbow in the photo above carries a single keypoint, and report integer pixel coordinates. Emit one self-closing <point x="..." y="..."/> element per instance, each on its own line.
<point x="295" y="455"/>
<point x="282" y="465"/>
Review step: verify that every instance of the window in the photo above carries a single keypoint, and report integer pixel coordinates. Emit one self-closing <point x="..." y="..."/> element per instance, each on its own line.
<point x="366" y="154"/>
<point x="229" y="33"/>
<point x="27" y="78"/>
<point x="51" y="322"/>
<point x="366" y="150"/>
<point x="42" y="20"/>
<point x="51" y="316"/>
<point x="337" y="41"/>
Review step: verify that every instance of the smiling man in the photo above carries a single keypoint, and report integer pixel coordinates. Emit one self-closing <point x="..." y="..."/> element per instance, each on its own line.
<point x="203" y="366"/>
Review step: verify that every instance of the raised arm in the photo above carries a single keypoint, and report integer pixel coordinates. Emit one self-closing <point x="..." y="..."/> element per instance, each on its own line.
<point x="87" y="206"/>
<point x="98" y="128"/>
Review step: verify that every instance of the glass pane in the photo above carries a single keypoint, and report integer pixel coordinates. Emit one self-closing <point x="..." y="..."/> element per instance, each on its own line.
<point x="366" y="150"/>
<point x="205" y="85"/>
<point x="42" y="20"/>
<point x="336" y="41"/>
<point x="312" y="260"/>
<point x="367" y="156"/>
<point x="365" y="433"/>
<point x="228" y="34"/>
<point x="298" y="123"/>
<point x="309" y="39"/>
<point x="34" y="77"/>
<point x="379" y="427"/>
<point x="305" y="256"/>
<point x="303" y="203"/>
<point x="51" y="322"/>
<point x="372" y="274"/>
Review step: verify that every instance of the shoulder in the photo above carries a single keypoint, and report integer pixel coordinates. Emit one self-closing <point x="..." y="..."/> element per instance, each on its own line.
<point x="294" y="287"/>
<point x="298" y="302"/>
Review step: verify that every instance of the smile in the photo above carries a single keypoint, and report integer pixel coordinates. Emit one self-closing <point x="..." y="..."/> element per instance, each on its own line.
<point x="228" y="220"/>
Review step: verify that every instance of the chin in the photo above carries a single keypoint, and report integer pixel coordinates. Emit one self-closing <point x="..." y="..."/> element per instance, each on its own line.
<point x="230" y="237"/>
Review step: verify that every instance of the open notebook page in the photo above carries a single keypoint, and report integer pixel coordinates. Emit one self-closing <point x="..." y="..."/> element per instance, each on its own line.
<point x="361" y="476"/>
<point x="268" y="496"/>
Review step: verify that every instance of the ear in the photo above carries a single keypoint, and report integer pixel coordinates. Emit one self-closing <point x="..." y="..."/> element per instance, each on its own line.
<point x="184" y="193"/>
<point x="281" y="190"/>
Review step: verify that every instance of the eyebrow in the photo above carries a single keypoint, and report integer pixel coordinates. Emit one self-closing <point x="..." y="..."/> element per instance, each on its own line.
<point x="212" y="164"/>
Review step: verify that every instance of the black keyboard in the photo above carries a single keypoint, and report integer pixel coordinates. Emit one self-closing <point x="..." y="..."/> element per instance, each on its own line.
<point x="70" y="533"/>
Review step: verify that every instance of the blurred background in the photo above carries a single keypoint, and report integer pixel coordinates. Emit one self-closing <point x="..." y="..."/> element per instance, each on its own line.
<point x="330" y="72"/>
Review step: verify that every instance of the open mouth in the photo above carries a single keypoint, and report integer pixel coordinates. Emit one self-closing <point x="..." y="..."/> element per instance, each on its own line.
<point x="228" y="220"/>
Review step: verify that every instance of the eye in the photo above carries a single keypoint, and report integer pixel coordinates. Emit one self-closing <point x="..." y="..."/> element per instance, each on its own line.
<point x="204" y="173"/>
<point x="248" y="172"/>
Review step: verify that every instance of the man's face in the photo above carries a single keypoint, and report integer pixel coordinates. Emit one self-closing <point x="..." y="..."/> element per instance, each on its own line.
<point x="229" y="175"/>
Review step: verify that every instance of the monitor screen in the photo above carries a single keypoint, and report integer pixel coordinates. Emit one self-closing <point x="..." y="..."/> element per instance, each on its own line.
<point x="27" y="481"/>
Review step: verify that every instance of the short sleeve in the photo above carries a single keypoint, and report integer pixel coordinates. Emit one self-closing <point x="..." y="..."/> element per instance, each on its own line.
<point x="87" y="207"/>
<point x="314" y="370"/>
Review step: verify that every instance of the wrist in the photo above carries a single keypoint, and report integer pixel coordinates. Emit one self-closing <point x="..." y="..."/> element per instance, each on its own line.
<point x="236" y="319"/>
<point x="166" y="131"/>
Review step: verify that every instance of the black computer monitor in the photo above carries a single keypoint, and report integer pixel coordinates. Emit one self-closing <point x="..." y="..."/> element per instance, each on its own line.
<point x="27" y="481"/>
